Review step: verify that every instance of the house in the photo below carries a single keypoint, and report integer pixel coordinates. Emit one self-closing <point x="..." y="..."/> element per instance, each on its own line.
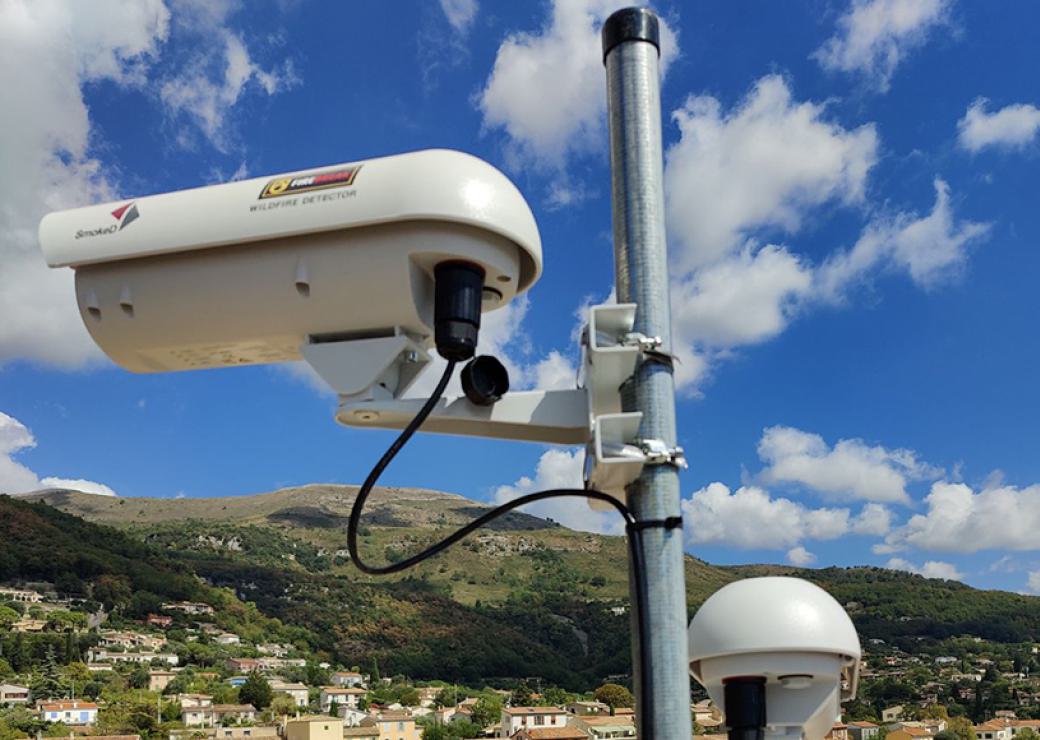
<point x="99" y="655"/>
<point x="298" y="692"/>
<point x="347" y="678"/>
<point x="22" y="596"/>
<point x="188" y="607"/>
<point x="910" y="733"/>
<point x="838" y="731"/>
<point x="11" y="694"/>
<point x="606" y="727"/>
<point x="428" y="694"/>
<point x="553" y="733"/>
<point x="341" y="696"/>
<point x="995" y="729"/>
<point x="587" y="707"/>
<point x="1017" y="725"/>
<point x="243" y="665"/>
<point x="233" y="713"/>
<point x="25" y="624"/>
<point x="314" y="728"/>
<point x="368" y="730"/>
<point x="69" y="712"/>
<point x="159" y="620"/>
<point x="515" y="719"/>
<point x="352" y="717"/>
<point x="396" y="725"/>
<point x="130" y="640"/>
<point x="194" y="700"/>
<point x="862" y="730"/>
<point x="273" y="648"/>
<point x="261" y="732"/>
<point x="227" y="638"/>
<point x="159" y="680"/>
<point x="892" y="714"/>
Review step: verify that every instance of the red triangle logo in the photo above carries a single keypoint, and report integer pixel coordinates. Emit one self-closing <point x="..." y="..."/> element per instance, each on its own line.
<point x="118" y="213"/>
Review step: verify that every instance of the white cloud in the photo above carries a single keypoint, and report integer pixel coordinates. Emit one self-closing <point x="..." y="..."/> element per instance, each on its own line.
<point x="762" y="164"/>
<point x="48" y="49"/>
<point x="547" y="88"/>
<point x="873" y="519"/>
<point x="959" y="519"/>
<point x="930" y="248"/>
<point x="554" y="372"/>
<point x="931" y="569"/>
<point x="1013" y="126"/>
<point x="460" y="13"/>
<point x="750" y="518"/>
<point x="743" y="299"/>
<point x="15" y="437"/>
<point x="562" y="469"/>
<point x="851" y="469"/>
<point x="208" y="99"/>
<point x="1034" y="582"/>
<point x="800" y="556"/>
<point x="876" y="35"/>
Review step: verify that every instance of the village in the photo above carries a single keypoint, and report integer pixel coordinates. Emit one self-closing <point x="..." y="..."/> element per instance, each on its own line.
<point x="143" y="678"/>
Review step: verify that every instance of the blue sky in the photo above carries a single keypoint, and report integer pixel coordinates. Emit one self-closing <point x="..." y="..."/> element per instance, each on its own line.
<point x="852" y="231"/>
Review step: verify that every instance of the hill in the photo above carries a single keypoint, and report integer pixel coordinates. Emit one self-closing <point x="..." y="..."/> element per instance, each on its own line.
<point x="526" y="597"/>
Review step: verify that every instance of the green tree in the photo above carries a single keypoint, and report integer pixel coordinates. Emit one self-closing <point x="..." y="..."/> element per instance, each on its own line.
<point x="487" y="711"/>
<point x="282" y="704"/>
<point x="521" y="696"/>
<point x="963" y="729"/>
<point x="256" y="691"/>
<point x="47" y="682"/>
<point x="409" y="696"/>
<point x="8" y="616"/>
<point x="614" y="695"/>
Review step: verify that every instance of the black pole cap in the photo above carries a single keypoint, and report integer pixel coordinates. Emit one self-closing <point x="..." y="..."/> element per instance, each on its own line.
<point x="631" y="24"/>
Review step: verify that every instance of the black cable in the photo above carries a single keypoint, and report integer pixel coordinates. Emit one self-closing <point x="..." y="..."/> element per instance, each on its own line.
<point x="633" y="529"/>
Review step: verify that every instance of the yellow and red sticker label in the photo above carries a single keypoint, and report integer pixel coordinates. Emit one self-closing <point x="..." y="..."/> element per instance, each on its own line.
<point x="307" y="182"/>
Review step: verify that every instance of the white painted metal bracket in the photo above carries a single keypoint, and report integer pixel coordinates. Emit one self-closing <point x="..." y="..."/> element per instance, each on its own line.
<point x="382" y="367"/>
<point x="556" y="417"/>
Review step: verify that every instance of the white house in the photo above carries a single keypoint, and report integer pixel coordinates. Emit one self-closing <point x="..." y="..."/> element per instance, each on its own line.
<point x="347" y="678"/>
<point x="228" y="638"/>
<point x="69" y="712"/>
<point x="24" y="596"/>
<point x="11" y="694"/>
<point x="213" y="715"/>
<point x="352" y="717"/>
<point x="515" y="719"/>
<point x="99" y="655"/>
<point x="341" y="696"/>
<point x="298" y="692"/>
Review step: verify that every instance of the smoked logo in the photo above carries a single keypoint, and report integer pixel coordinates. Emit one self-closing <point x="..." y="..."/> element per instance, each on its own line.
<point x="124" y="215"/>
<point x="306" y="183"/>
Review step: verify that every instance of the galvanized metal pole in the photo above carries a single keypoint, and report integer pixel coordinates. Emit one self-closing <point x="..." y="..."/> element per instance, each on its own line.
<point x="631" y="50"/>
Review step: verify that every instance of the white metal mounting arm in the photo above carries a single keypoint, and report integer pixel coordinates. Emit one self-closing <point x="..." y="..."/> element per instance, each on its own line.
<point x="555" y="417"/>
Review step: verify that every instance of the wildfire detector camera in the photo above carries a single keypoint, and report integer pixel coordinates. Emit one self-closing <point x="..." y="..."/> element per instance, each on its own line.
<point x="778" y="655"/>
<point x="272" y="268"/>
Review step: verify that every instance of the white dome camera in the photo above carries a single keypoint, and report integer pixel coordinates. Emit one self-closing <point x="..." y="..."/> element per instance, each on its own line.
<point x="778" y="655"/>
<point x="269" y="269"/>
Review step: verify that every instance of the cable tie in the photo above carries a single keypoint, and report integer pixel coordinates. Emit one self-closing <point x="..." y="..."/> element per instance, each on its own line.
<point x="672" y="522"/>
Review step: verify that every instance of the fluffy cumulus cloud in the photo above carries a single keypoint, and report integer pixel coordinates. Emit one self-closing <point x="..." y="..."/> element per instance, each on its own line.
<point x="1011" y="127"/>
<point x="562" y="469"/>
<point x="874" y="36"/>
<point x="851" y="469"/>
<point x="930" y="569"/>
<point x="49" y="49"/>
<point x="931" y="248"/>
<point x="800" y="556"/>
<point x="749" y="518"/>
<point x="762" y="164"/>
<point x="15" y="477"/>
<point x="1033" y="582"/>
<point x="743" y="299"/>
<point x="460" y="13"/>
<point x="959" y="519"/>
<point x="546" y="89"/>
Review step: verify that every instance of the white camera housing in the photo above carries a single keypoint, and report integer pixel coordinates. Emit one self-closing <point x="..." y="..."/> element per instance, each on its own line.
<point x="256" y="270"/>
<point x="788" y="631"/>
